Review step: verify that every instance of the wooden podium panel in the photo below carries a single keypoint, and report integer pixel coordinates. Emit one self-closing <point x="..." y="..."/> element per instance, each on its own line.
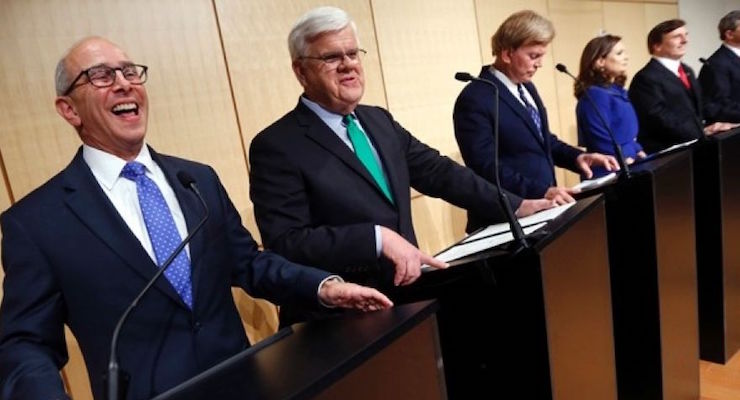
<point x="390" y="354"/>
<point x="530" y="324"/>
<point x="653" y="274"/>
<point x="717" y="200"/>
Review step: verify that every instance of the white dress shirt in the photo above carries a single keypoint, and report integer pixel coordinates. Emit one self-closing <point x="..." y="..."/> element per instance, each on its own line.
<point x="122" y="192"/>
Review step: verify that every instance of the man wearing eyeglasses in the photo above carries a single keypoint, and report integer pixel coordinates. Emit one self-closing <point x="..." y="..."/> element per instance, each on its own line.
<point x="79" y="249"/>
<point x="330" y="181"/>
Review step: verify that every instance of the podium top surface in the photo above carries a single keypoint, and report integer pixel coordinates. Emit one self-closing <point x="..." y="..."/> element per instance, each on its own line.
<point x="308" y="358"/>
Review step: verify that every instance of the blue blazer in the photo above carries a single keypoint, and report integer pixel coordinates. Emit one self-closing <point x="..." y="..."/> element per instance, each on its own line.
<point x="620" y="117"/>
<point x="69" y="258"/>
<point x="720" y="83"/>
<point x="526" y="160"/>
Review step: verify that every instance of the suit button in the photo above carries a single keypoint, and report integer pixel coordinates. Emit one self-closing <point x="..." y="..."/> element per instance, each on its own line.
<point x="196" y="326"/>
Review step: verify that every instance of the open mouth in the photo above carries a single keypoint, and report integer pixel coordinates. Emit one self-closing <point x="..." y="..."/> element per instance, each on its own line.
<point x="126" y="109"/>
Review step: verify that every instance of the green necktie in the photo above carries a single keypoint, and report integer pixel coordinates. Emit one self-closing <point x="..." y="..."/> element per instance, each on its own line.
<point x="365" y="154"/>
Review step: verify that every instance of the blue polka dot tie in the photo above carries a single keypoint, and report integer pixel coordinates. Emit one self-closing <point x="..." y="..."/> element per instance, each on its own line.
<point x="162" y="230"/>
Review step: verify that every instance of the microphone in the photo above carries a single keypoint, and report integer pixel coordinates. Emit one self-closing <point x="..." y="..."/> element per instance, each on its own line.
<point x="113" y="387"/>
<point x="516" y="228"/>
<point x="704" y="61"/>
<point x="617" y="148"/>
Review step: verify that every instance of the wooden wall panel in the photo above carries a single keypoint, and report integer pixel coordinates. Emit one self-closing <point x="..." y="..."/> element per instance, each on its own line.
<point x="576" y="22"/>
<point x="422" y="44"/>
<point x="628" y="21"/>
<point x="255" y="37"/>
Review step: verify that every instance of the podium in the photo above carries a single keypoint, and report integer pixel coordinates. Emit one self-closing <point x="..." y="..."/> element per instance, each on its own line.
<point x="717" y="200"/>
<point x="535" y="324"/>
<point x="652" y="255"/>
<point x="390" y="354"/>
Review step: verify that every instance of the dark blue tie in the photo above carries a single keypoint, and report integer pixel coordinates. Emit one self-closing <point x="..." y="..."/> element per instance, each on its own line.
<point x="531" y="109"/>
<point x="162" y="230"/>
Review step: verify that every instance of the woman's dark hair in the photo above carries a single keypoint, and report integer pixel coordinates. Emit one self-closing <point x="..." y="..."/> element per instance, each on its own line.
<point x="588" y="73"/>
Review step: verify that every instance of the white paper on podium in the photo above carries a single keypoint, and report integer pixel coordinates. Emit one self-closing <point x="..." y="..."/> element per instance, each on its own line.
<point x="533" y="219"/>
<point x="595" y="183"/>
<point x="467" y="248"/>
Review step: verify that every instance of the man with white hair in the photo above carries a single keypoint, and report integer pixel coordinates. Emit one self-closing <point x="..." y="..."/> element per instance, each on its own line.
<point x="330" y="180"/>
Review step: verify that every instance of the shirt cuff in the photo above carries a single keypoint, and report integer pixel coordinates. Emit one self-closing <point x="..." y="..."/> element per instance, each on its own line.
<point x="334" y="278"/>
<point x="378" y="242"/>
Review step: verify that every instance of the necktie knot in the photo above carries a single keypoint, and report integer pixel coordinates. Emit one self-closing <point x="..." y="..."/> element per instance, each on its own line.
<point x="133" y="170"/>
<point x="348" y="119"/>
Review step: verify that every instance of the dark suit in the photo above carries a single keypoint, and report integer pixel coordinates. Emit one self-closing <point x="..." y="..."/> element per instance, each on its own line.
<point x="70" y="258"/>
<point x="526" y="159"/>
<point x="315" y="203"/>
<point x="720" y="84"/>
<point x="667" y="112"/>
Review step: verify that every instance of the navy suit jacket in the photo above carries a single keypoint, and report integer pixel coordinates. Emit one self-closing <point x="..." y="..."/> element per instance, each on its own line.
<point x="315" y="203"/>
<point x="527" y="160"/>
<point x="720" y="84"/>
<point x="69" y="258"/>
<point x="667" y="112"/>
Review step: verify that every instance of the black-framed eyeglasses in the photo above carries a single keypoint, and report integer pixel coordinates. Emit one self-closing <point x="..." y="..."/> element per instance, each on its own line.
<point x="334" y="59"/>
<point x="103" y="76"/>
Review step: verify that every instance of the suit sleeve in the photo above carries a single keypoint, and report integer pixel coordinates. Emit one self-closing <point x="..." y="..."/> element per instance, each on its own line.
<point x="652" y="104"/>
<point x="716" y="85"/>
<point x="473" y="124"/>
<point x="282" y="208"/>
<point x="438" y="176"/>
<point x="262" y="274"/>
<point x="32" y="316"/>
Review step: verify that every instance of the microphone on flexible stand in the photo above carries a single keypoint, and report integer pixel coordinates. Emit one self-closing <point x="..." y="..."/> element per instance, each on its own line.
<point x="114" y="390"/>
<point x="617" y="148"/>
<point x="704" y="61"/>
<point x="516" y="228"/>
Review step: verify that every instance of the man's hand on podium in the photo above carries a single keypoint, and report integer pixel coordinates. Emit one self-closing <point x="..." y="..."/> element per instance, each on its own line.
<point x="406" y="258"/>
<point x="335" y="293"/>
<point x="529" y="206"/>
<point x="717" y="127"/>
<point x="560" y="195"/>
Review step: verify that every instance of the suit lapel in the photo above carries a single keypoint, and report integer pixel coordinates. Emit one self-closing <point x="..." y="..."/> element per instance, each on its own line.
<point x="87" y="201"/>
<point x="320" y="133"/>
<point x="508" y="100"/>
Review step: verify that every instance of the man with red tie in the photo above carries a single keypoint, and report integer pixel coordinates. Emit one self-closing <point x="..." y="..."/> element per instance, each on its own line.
<point x="665" y="93"/>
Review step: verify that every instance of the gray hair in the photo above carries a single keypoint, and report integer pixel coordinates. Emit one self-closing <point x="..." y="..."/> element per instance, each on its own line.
<point x="61" y="77"/>
<point x="728" y="23"/>
<point x="314" y="23"/>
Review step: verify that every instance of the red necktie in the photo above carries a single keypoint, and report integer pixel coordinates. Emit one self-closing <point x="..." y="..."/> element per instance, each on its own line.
<point x="683" y="77"/>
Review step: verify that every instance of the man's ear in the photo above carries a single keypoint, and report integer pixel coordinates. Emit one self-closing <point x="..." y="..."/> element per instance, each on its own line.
<point x="506" y="55"/>
<point x="298" y="70"/>
<point x="67" y="110"/>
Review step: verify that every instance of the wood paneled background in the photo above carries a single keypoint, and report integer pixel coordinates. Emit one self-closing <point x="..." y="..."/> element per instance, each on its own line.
<point x="220" y="72"/>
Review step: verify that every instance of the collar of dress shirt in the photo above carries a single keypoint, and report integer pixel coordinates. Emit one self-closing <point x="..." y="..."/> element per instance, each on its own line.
<point x="669" y="63"/>
<point x="734" y="49"/>
<point x="332" y="120"/>
<point x="512" y="86"/>
<point x="107" y="168"/>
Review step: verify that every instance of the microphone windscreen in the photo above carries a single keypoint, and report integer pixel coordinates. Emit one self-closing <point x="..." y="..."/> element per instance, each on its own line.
<point x="463" y="76"/>
<point x="561" y="68"/>
<point x="185" y="179"/>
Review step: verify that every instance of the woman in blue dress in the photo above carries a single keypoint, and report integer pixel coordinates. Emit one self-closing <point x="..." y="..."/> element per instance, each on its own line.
<point x="602" y="74"/>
